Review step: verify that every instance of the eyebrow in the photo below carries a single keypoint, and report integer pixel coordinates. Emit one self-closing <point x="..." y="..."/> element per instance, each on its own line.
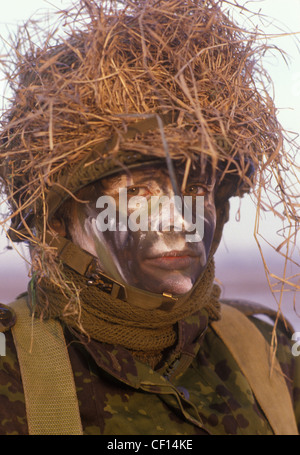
<point x="144" y="173"/>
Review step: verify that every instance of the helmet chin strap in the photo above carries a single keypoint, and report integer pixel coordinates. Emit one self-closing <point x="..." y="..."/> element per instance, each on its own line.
<point x="86" y="265"/>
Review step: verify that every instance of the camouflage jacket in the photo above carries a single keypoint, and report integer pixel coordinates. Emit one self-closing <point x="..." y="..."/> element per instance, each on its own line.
<point x="118" y="395"/>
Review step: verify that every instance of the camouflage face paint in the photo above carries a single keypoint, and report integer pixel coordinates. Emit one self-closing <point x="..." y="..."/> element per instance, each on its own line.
<point x="160" y="260"/>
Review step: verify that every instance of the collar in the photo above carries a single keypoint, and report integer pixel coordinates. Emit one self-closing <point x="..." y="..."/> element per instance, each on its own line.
<point x="120" y="363"/>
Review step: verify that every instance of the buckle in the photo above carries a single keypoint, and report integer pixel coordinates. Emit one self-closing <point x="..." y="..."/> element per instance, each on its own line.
<point x="107" y="284"/>
<point x="170" y="297"/>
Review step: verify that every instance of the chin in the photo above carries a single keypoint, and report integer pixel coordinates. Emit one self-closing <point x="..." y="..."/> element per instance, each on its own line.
<point x="177" y="285"/>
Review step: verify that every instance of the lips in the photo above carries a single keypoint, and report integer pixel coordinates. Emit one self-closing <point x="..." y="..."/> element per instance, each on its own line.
<point x="173" y="260"/>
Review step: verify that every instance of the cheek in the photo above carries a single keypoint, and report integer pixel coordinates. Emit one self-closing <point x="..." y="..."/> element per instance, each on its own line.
<point x="80" y="236"/>
<point x="210" y="218"/>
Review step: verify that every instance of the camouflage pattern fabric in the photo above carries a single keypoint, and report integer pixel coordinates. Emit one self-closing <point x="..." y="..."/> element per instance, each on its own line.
<point x="199" y="390"/>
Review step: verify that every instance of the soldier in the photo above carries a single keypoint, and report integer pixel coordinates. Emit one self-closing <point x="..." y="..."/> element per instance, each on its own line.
<point x="122" y="330"/>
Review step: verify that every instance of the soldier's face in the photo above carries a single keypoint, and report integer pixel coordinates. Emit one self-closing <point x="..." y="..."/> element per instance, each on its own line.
<point x="154" y="248"/>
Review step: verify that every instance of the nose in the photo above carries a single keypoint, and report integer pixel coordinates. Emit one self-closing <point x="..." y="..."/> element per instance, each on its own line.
<point x="170" y="213"/>
<point x="175" y="221"/>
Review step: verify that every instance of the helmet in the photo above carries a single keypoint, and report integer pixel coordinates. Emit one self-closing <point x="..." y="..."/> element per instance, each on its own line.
<point x="117" y="90"/>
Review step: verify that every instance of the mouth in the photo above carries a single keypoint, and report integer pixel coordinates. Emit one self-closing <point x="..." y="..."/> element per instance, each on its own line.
<point x="173" y="260"/>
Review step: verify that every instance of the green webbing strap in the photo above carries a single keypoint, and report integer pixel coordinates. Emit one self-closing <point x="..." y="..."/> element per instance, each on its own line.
<point x="48" y="382"/>
<point x="252" y="353"/>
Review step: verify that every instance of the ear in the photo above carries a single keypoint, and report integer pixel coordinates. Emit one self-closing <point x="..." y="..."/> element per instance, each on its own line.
<point x="58" y="225"/>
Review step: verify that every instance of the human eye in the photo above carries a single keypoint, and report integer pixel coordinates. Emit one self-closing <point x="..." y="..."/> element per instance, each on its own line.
<point x="195" y="189"/>
<point x="138" y="190"/>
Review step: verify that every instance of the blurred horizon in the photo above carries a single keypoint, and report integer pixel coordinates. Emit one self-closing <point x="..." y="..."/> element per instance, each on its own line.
<point x="238" y="278"/>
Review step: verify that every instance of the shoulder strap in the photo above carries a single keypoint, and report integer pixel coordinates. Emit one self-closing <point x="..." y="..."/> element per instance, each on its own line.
<point x="249" y="308"/>
<point x="252" y="353"/>
<point x="48" y="382"/>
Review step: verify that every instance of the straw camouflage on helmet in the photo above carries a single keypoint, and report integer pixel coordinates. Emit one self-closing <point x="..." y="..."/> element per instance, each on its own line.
<point x="79" y="106"/>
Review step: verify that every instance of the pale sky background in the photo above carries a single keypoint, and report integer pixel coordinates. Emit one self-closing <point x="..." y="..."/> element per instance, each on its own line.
<point x="238" y="264"/>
